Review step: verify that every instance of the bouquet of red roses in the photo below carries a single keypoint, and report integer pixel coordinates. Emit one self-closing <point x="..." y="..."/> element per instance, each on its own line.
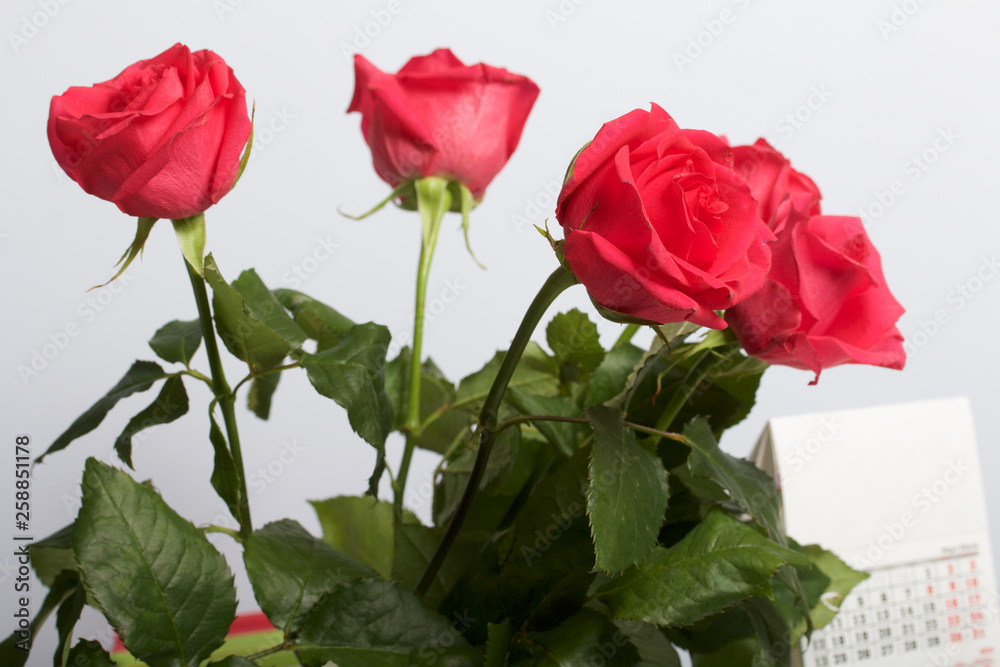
<point x="583" y="512"/>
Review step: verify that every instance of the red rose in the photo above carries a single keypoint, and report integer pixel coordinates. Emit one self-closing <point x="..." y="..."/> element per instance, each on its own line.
<point x="773" y="182"/>
<point x="658" y="226"/>
<point x="439" y="117"/>
<point x="161" y="140"/>
<point x="825" y="302"/>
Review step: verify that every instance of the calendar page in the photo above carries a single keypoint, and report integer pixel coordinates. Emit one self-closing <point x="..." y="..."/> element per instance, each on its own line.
<point x="895" y="491"/>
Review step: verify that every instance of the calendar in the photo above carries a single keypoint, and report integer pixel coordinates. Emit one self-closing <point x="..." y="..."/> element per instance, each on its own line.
<point x="895" y="491"/>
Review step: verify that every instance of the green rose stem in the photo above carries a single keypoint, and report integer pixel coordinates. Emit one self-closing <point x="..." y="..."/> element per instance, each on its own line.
<point x="559" y="281"/>
<point x="626" y="336"/>
<point x="223" y="395"/>
<point x="433" y="201"/>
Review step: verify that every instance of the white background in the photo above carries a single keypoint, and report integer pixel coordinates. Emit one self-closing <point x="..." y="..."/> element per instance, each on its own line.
<point x="884" y="85"/>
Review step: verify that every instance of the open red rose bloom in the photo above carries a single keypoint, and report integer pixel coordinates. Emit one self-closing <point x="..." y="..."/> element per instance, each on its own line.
<point x="825" y="302"/>
<point x="665" y="225"/>
<point x="440" y="117"/>
<point x="162" y="139"/>
<point x="658" y="226"/>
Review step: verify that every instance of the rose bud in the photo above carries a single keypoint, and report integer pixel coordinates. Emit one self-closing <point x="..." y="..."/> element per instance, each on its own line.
<point x="825" y="302"/>
<point x="439" y="117"/>
<point x="160" y="140"/>
<point x="658" y="226"/>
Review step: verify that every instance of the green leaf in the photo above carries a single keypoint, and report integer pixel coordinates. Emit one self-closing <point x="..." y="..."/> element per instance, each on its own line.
<point x="676" y="332"/>
<point x="52" y="555"/>
<point x="290" y="570"/>
<point x="610" y="376"/>
<point x="825" y="585"/>
<point x="177" y="341"/>
<point x="586" y="638"/>
<point x="14" y="650"/>
<point x="731" y="392"/>
<point x="145" y="225"/>
<point x="191" y="237"/>
<point x="536" y="373"/>
<point x="225" y="477"/>
<point x="245" y="336"/>
<point x="734" y="654"/>
<point x="842" y="579"/>
<point x="498" y="644"/>
<point x="371" y="623"/>
<point x="238" y="661"/>
<point x="718" y="564"/>
<point x="573" y="339"/>
<point x="139" y="377"/>
<point x="185" y="587"/>
<point x="66" y="618"/>
<point x="352" y="373"/>
<point x="773" y="648"/>
<point x="514" y="465"/>
<point x="436" y="393"/>
<point x="749" y="486"/>
<point x="637" y="376"/>
<point x="265" y="307"/>
<point x="360" y="528"/>
<point x="654" y="649"/>
<point x="413" y="547"/>
<point x="562" y="435"/>
<point x="628" y="492"/>
<point x="319" y="321"/>
<point x="712" y="632"/>
<point x="551" y="539"/>
<point x="711" y="377"/>
<point x="171" y="404"/>
<point x="88" y="653"/>
<point x="262" y="389"/>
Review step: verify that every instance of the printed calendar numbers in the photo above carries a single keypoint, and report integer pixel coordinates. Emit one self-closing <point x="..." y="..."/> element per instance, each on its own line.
<point x="903" y="611"/>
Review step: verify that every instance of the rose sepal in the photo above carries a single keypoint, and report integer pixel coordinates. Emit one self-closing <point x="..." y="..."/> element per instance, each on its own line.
<point x="143" y="227"/>
<point x="621" y="318"/>
<point x="404" y="192"/>
<point x="191" y="237"/>
<point x="247" y="150"/>
<point x="462" y="197"/>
